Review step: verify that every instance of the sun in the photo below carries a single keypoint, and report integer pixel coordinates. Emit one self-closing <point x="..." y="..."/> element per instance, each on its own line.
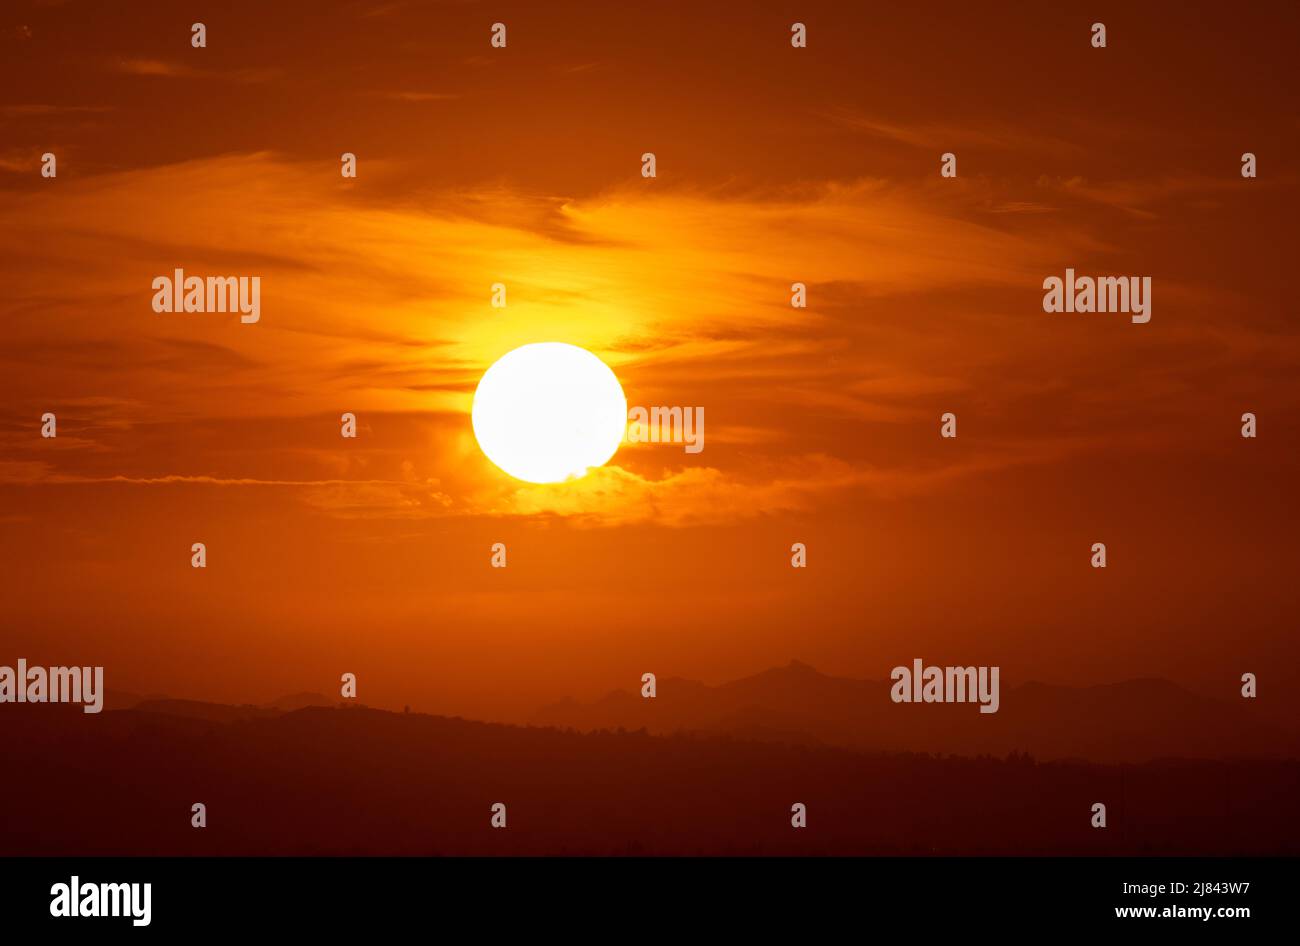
<point x="548" y="412"/>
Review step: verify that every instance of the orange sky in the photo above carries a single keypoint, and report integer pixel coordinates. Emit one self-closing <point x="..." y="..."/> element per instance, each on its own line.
<point x="521" y="165"/>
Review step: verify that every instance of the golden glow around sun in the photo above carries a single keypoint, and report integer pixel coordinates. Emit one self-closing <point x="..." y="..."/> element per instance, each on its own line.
<point x="548" y="412"/>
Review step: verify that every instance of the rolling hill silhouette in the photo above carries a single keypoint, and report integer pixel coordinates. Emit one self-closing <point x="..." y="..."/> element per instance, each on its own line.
<point x="323" y="780"/>
<point x="220" y="712"/>
<point x="1134" y="721"/>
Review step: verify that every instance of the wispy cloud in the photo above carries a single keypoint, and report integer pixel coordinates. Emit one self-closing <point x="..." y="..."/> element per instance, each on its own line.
<point x="415" y="96"/>
<point x="379" y="305"/>
<point x="158" y="68"/>
<point x="950" y="136"/>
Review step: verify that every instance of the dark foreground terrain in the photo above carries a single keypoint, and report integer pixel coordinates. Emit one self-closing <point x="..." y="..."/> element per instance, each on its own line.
<point x="324" y="780"/>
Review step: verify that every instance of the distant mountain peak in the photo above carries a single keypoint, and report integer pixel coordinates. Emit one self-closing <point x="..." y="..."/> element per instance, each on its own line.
<point x="1131" y="720"/>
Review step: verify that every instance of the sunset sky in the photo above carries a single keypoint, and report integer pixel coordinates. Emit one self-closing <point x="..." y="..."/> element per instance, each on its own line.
<point x="522" y="166"/>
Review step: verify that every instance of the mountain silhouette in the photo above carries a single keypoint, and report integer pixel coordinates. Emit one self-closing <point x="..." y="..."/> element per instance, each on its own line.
<point x="300" y="700"/>
<point x="1133" y="721"/>
<point x="361" y="781"/>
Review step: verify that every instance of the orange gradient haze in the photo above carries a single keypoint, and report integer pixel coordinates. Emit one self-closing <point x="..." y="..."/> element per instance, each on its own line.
<point x="522" y="166"/>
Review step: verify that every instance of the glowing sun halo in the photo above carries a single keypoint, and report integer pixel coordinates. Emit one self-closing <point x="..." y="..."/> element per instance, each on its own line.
<point x="548" y="412"/>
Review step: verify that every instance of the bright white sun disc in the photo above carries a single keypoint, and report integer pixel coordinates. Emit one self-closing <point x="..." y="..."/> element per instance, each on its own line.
<point x="548" y="412"/>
